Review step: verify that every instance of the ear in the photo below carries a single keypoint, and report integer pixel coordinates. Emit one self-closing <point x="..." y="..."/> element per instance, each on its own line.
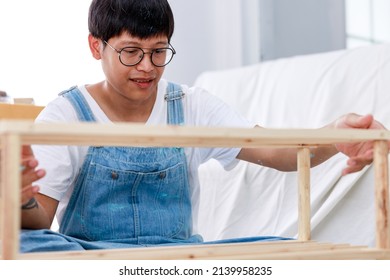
<point x="95" y="46"/>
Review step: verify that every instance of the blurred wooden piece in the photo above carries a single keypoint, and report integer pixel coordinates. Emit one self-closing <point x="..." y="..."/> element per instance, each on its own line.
<point x="381" y="151"/>
<point x="304" y="211"/>
<point x="24" y="100"/>
<point x="10" y="197"/>
<point x="10" y="176"/>
<point x="19" y="111"/>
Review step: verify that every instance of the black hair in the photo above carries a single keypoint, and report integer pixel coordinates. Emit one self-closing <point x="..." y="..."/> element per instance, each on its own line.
<point x="140" y="18"/>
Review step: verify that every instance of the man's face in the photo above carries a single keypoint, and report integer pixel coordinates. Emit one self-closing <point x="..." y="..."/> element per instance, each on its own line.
<point x="138" y="81"/>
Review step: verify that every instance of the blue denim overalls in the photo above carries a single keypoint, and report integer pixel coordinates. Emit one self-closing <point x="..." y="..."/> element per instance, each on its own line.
<point x="126" y="196"/>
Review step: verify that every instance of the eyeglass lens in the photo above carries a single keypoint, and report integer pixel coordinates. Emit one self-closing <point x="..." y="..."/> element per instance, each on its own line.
<point x="160" y="57"/>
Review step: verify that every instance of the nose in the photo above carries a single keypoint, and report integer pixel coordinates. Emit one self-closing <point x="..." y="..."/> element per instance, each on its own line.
<point x="146" y="64"/>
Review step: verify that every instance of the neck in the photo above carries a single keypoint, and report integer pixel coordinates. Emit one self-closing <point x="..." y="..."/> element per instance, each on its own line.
<point x="122" y="108"/>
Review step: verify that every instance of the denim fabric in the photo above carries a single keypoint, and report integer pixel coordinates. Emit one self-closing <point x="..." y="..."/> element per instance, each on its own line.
<point x="49" y="241"/>
<point x="126" y="196"/>
<point x="175" y="105"/>
<point x="142" y="193"/>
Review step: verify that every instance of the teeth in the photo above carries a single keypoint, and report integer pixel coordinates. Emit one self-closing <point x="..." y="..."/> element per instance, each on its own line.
<point x="142" y="81"/>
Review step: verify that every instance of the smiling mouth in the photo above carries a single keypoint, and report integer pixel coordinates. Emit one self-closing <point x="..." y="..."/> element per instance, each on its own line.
<point x="141" y="80"/>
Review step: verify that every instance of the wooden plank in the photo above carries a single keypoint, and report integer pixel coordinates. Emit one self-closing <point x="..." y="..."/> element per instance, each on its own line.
<point x="228" y="251"/>
<point x="304" y="211"/>
<point x="10" y="196"/>
<point x="298" y="250"/>
<point x="19" y="111"/>
<point x="277" y="250"/>
<point x="351" y="253"/>
<point x="382" y="194"/>
<point x="121" y="134"/>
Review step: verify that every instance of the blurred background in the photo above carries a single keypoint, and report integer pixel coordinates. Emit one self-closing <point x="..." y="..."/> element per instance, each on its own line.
<point x="44" y="47"/>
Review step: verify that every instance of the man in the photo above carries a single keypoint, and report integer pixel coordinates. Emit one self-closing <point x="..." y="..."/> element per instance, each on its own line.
<point x="116" y="197"/>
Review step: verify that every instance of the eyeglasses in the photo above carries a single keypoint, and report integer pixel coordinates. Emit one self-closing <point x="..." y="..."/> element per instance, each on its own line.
<point x="130" y="56"/>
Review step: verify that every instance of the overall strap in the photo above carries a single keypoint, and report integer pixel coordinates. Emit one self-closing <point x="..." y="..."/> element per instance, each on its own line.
<point x="79" y="103"/>
<point x="174" y="98"/>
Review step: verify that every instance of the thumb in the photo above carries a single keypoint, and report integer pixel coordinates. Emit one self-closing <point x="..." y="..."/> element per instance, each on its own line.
<point x="357" y="121"/>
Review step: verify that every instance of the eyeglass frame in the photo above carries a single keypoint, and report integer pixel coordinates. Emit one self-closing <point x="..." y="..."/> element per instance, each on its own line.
<point x="119" y="52"/>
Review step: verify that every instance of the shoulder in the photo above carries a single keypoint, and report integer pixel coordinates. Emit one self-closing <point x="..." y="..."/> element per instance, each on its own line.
<point x="193" y="94"/>
<point x="59" y="109"/>
<point x="202" y="108"/>
<point x="206" y="109"/>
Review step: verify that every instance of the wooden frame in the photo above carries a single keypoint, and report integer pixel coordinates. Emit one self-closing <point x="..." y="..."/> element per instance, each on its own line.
<point x="15" y="133"/>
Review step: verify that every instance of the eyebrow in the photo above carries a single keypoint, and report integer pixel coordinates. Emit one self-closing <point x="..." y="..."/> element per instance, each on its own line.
<point x="137" y="44"/>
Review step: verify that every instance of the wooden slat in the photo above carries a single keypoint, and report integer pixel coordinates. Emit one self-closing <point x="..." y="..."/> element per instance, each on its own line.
<point x="10" y="196"/>
<point x="351" y="253"/>
<point x="140" y="135"/>
<point x="19" y="111"/>
<point x="273" y="250"/>
<point x="382" y="194"/>
<point x="304" y="211"/>
<point x="174" y="252"/>
<point x="219" y="251"/>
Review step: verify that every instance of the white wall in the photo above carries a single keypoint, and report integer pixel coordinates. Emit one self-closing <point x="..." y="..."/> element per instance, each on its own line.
<point x="222" y="34"/>
<point x="44" y="48"/>
<point x="294" y="27"/>
<point x="213" y="35"/>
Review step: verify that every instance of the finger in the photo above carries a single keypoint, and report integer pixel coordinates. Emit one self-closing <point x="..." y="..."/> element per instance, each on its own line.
<point x="28" y="177"/>
<point x="27" y="152"/>
<point x="356" y="164"/>
<point x="28" y="164"/>
<point x="356" y="121"/>
<point x="352" y="169"/>
<point x="28" y="192"/>
<point x="366" y="158"/>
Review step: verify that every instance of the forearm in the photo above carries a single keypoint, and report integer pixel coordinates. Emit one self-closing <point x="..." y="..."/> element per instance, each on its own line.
<point x="34" y="216"/>
<point x="321" y="154"/>
<point x="284" y="159"/>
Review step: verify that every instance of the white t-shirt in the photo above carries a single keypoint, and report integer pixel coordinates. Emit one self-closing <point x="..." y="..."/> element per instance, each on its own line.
<point x="62" y="163"/>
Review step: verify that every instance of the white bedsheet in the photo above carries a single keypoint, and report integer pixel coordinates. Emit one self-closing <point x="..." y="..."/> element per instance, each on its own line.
<point x="299" y="92"/>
